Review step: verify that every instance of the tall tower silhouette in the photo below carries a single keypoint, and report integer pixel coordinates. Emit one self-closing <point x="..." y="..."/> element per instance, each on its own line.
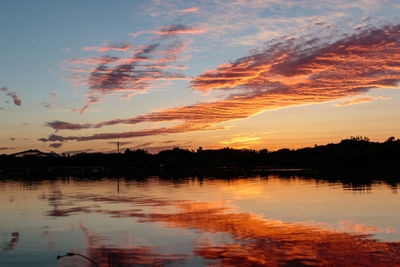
<point x="118" y="147"/>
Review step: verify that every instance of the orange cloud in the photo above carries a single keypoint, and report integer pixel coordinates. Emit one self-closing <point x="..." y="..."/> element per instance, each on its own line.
<point x="190" y="10"/>
<point x="288" y="73"/>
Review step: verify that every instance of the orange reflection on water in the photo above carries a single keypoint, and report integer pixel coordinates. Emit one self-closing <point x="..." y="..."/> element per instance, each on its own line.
<point x="273" y="243"/>
<point x="256" y="241"/>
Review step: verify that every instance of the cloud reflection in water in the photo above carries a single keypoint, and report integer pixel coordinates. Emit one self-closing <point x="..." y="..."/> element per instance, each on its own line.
<point x="255" y="241"/>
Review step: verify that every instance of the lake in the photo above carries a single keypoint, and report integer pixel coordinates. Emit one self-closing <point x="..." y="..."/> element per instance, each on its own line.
<point x="247" y="221"/>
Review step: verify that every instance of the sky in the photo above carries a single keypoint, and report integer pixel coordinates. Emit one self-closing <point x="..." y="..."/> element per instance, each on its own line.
<point x="80" y="76"/>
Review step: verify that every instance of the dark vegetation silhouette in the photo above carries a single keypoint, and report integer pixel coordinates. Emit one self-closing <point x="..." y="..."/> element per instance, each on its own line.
<point x="357" y="154"/>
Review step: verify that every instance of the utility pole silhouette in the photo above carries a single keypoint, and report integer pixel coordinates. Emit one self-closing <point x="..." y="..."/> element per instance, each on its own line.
<point x="118" y="147"/>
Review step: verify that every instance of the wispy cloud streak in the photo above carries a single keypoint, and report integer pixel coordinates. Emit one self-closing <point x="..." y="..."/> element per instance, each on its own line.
<point x="178" y="29"/>
<point x="190" y="10"/>
<point x="112" y="47"/>
<point x="171" y="30"/>
<point x="367" y="99"/>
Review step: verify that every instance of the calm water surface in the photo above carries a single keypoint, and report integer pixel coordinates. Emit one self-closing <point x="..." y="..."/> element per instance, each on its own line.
<point x="273" y="221"/>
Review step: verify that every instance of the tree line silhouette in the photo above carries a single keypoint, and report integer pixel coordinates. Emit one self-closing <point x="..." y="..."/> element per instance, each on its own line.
<point x="355" y="152"/>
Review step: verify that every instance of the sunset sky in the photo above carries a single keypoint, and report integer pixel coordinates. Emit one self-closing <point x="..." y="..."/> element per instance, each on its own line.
<point x="79" y="76"/>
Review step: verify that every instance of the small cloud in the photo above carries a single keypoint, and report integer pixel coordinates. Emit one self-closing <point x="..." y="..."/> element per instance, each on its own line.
<point x="124" y="46"/>
<point x="55" y="145"/>
<point x="47" y="105"/>
<point x="360" y="100"/>
<point x="14" y="96"/>
<point x="190" y="10"/>
<point x="179" y="29"/>
<point x="62" y="125"/>
<point x="90" y="100"/>
<point x="17" y="100"/>
<point x="51" y="98"/>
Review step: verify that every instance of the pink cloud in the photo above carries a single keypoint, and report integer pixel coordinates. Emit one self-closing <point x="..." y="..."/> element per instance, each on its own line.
<point x="89" y="101"/>
<point x="132" y="71"/>
<point x="14" y="96"/>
